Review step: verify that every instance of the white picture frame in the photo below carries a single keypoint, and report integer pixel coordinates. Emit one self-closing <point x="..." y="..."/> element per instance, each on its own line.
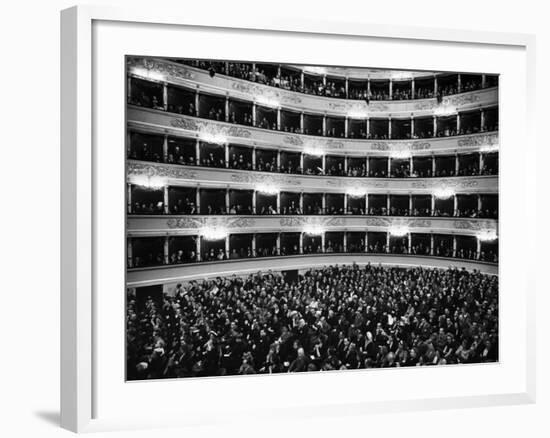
<point x="79" y="204"/>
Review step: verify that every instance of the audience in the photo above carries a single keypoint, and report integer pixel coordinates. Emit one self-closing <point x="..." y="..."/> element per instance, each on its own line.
<point x="333" y="318"/>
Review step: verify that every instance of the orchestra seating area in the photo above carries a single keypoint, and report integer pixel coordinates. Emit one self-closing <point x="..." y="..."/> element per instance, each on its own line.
<point x="331" y="318"/>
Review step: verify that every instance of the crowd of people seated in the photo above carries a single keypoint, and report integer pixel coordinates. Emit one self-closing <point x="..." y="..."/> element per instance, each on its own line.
<point x="147" y="100"/>
<point x="216" y="111"/>
<point x="148" y="208"/>
<point x="331" y="318"/>
<point x="184" y="206"/>
<point x="242" y="161"/>
<point x="291" y="80"/>
<point x="181" y="256"/>
<point x="187" y="206"/>
<point x="188" y="109"/>
<point x="240" y="209"/>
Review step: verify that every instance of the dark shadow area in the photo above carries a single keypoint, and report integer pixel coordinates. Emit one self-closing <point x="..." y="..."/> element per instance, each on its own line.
<point x="51" y="417"/>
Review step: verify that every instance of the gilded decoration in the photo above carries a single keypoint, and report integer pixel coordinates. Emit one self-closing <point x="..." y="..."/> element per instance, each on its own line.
<point x="205" y="127"/>
<point x="173" y="71"/>
<point x="151" y="170"/>
<point x="479" y="140"/>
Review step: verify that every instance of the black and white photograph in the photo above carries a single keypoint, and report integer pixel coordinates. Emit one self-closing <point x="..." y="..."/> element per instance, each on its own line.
<point x="285" y="218"/>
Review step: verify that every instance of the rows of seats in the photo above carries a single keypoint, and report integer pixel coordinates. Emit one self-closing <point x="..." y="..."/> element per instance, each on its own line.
<point x="159" y="251"/>
<point x="193" y="152"/>
<point x="331" y="318"/>
<point x="189" y="200"/>
<point x="303" y="81"/>
<point x="191" y="102"/>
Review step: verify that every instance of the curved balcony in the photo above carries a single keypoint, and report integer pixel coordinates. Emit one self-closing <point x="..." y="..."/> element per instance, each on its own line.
<point x="195" y="79"/>
<point x="175" y="274"/>
<point x="146" y="225"/>
<point x="142" y="173"/>
<point x="157" y="121"/>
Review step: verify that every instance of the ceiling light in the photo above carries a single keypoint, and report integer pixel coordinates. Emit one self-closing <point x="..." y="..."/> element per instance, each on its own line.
<point x="356" y="192"/>
<point x="268" y="189"/>
<point x="214" y="233"/>
<point x="314" y="230"/>
<point x="399" y="231"/>
<point x="487" y="235"/>
<point x="315" y="151"/>
<point x="443" y="193"/>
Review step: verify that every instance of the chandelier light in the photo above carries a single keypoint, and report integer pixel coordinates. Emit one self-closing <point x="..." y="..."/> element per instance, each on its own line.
<point x="399" y="230"/>
<point x="356" y="192"/>
<point x="313" y="150"/>
<point x="443" y="193"/>
<point x="401" y="154"/>
<point x="445" y="110"/>
<point x="487" y="235"/>
<point x="357" y="114"/>
<point x="149" y="182"/>
<point x="211" y="137"/>
<point x="316" y="70"/>
<point x="401" y="75"/>
<point x="268" y="189"/>
<point x="267" y="101"/>
<point x="148" y="73"/>
<point x="314" y="230"/>
<point x="493" y="147"/>
<point x="214" y="233"/>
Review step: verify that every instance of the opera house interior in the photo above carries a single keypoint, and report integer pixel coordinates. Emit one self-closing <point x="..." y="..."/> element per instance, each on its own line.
<point x="285" y="218"/>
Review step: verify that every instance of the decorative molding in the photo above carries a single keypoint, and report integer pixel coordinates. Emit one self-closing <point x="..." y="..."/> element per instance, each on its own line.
<point x="401" y="146"/>
<point x="257" y="178"/>
<point x="206" y="127"/>
<point x="173" y="71"/>
<point x="377" y="222"/>
<point x="463" y="99"/>
<point x="158" y="225"/>
<point x="184" y="123"/>
<point x="293" y="140"/>
<point x="424" y="105"/>
<point x="363" y="183"/>
<point x="156" y="121"/>
<point x="420" y="145"/>
<point x="377" y="107"/>
<point x="443" y="183"/>
<point x="474" y="224"/>
<point x="210" y="222"/>
<point x="184" y="222"/>
<point x="479" y="140"/>
<point x="265" y="92"/>
<point x="312" y="221"/>
<point x="419" y="223"/>
<point x="141" y="172"/>
<point x="334" y="144"/>
<point x="136" y="168"/>
<point x="380" y="146"/>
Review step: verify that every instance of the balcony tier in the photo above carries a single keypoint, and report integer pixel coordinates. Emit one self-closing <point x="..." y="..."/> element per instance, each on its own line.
<point x="190" y="225"/>
<point x="138" y="172"/>
<point x="160" y="122"/>
<point x="168" y="275"/>
<point x="220" y="85"/>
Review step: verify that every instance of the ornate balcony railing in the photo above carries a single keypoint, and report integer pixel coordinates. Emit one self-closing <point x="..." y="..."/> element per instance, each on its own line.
<point x="156" y="121"/>
<point x="191" y="225"/>
<point x="182" y="273"/>
<point x="220" y="85"/>
<point x="140" y="172"/>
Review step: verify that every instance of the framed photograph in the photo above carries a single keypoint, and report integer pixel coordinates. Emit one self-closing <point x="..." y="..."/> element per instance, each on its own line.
<point x="253" y="208"/>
